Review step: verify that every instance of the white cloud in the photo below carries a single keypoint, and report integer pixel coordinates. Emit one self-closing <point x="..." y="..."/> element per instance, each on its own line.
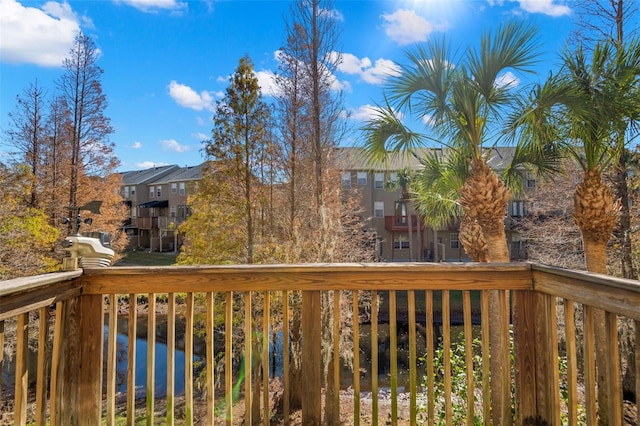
<point x="546" y="7"/>
<point x="364" y="113"/>
<point x="406" y="27"/>
<point x="507" y="79"/>
<point x="37" y="36"/>
<point x="428" y="120"/>
<point x="200" y="136"/>
<point x="173" y="145"/>
<point x="370" y="73"/>
<point x="154" y="5"/>
<point x="136" y="145"/>
<point x="553" y="8"/>
<point x="334" y="14"/>
<point x="150" y="164"/>
<point x="267" y="82"/>
<point x="187" y="97"/>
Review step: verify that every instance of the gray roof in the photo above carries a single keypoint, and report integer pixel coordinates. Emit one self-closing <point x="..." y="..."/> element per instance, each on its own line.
<point x="354" y="158"/>
<point x="182" y="174"/>
<point x="138" y="177"/>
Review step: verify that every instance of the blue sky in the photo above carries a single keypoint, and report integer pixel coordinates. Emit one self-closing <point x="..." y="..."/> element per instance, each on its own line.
<point x="166" y="62"/>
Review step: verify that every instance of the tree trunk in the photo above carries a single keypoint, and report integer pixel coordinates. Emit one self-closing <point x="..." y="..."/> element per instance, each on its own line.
<point x="595" y="215"/>
<point x="473" y="240"/>
<point x="485" y="198"/>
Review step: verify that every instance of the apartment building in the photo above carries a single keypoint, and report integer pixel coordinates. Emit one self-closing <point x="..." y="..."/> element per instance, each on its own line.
<point x="157" y="201"/>
<point x="401" y="233"/>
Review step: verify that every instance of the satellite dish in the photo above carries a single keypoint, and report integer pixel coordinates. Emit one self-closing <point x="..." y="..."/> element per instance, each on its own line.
<point x="92" y="206"/>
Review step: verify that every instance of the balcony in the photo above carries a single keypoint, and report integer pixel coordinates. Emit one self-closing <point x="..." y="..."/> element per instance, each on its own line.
<point x="401" y="223"/>
<point x="57" y="373"/>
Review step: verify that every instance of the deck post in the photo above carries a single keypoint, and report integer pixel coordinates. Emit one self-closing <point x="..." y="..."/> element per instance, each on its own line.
<point x="78" y="362"/>
<point x="523" y="316"/>
<point x="535" y="362"/>
<point x="311" y="358"/>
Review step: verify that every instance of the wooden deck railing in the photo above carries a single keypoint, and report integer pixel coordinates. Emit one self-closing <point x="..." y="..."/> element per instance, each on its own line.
<point x="437" y="317"/>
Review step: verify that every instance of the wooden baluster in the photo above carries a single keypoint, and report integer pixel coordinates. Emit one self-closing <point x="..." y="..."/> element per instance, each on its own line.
<point x="572" y="363"/>
<point x="188" y="361"/>
<point x="336" y="353"/>
<point x="486" y="366"/>
<point x="228" y="357"/>
<point x="131" y="359"/>
<point x="374" y="357"/>
<point x="430" y="354"/>
<point x="468" y="347"/>
<point x="210" y="360"/>
<point x="285" y="355"/>
<point x="171" y="354"/>
<point x="614" y="381"/>
<point x="356" y="359"/>
<point x="43" y="361"/>
<point x="266" y="322"/>
<point x="393" y="342"/>
<point x="248" y="368"/>
<point x="21" y="389"/>
<point x="446" y="355"/>
<point x="151" y="360"/>
<point x="590" y="367"/>
<point x="413" y="359"/>
<point x="112" y="348"/>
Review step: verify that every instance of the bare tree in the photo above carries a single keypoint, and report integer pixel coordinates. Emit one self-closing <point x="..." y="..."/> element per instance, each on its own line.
<point x="27" y="134"/>
<point x="81" y="91"/>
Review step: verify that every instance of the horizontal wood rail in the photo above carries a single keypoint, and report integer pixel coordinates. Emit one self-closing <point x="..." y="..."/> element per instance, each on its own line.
<point x="206" y="312"/>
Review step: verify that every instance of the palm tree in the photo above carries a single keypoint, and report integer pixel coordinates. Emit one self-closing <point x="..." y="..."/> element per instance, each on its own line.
<point x="583" y="109"/>
<point x="465" y="101"/>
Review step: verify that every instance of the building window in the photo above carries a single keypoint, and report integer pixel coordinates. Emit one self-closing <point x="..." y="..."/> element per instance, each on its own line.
<point x="173" y="211"/>
<point x="174" y="188"/>
<point x="152" y="191"/>
<point x="454" y="240"/>
<point x="401" y="241"/>
<point x="393" y="177"/>
<point x="346" y="180"/>
<point x="378" y="209"/>
<point x="126" y="192"/>
<point x="152" y="212"/>
<point x="362" y="178"/>
<point x="159" y="191"/>
<point x="182" y="190"/>
<point x="517" y="208"/>
<point x="378" y="182"/>
<point x="133" y="191"/>
<point x="134" y="212"/>
<point x="531" y="180"/>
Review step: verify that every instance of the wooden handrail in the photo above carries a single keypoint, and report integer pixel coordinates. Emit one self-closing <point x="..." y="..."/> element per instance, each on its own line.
<point x="536" y="292"/>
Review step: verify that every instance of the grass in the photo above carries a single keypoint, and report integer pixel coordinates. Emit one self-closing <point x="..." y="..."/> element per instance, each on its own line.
<point x="142" y="258"/>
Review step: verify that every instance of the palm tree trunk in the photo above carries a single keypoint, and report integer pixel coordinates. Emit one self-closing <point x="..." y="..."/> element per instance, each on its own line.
<point x="485" y="197"/>
<point x="596" y="214"/>
<point x="473" y="240"/>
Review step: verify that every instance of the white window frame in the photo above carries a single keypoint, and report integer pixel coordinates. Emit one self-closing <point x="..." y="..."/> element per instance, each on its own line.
<point x="378" y="209"/>
<point x="174" y="188"/>
<point x="401" y="241"/>
<point x="362" y="178"/>
<point x="454" y="240"/>
<point x="152" y="192"/>
<point x="159" y="191"/>
<point x="181" y="188"/>
<point x="346" y="180"/>
<point x="517" y="208"/>
<point x="133" y="191"/>
<point x="172" y="209"/>
<point x="378" y="181"/>
<point x="126" y="192"/>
